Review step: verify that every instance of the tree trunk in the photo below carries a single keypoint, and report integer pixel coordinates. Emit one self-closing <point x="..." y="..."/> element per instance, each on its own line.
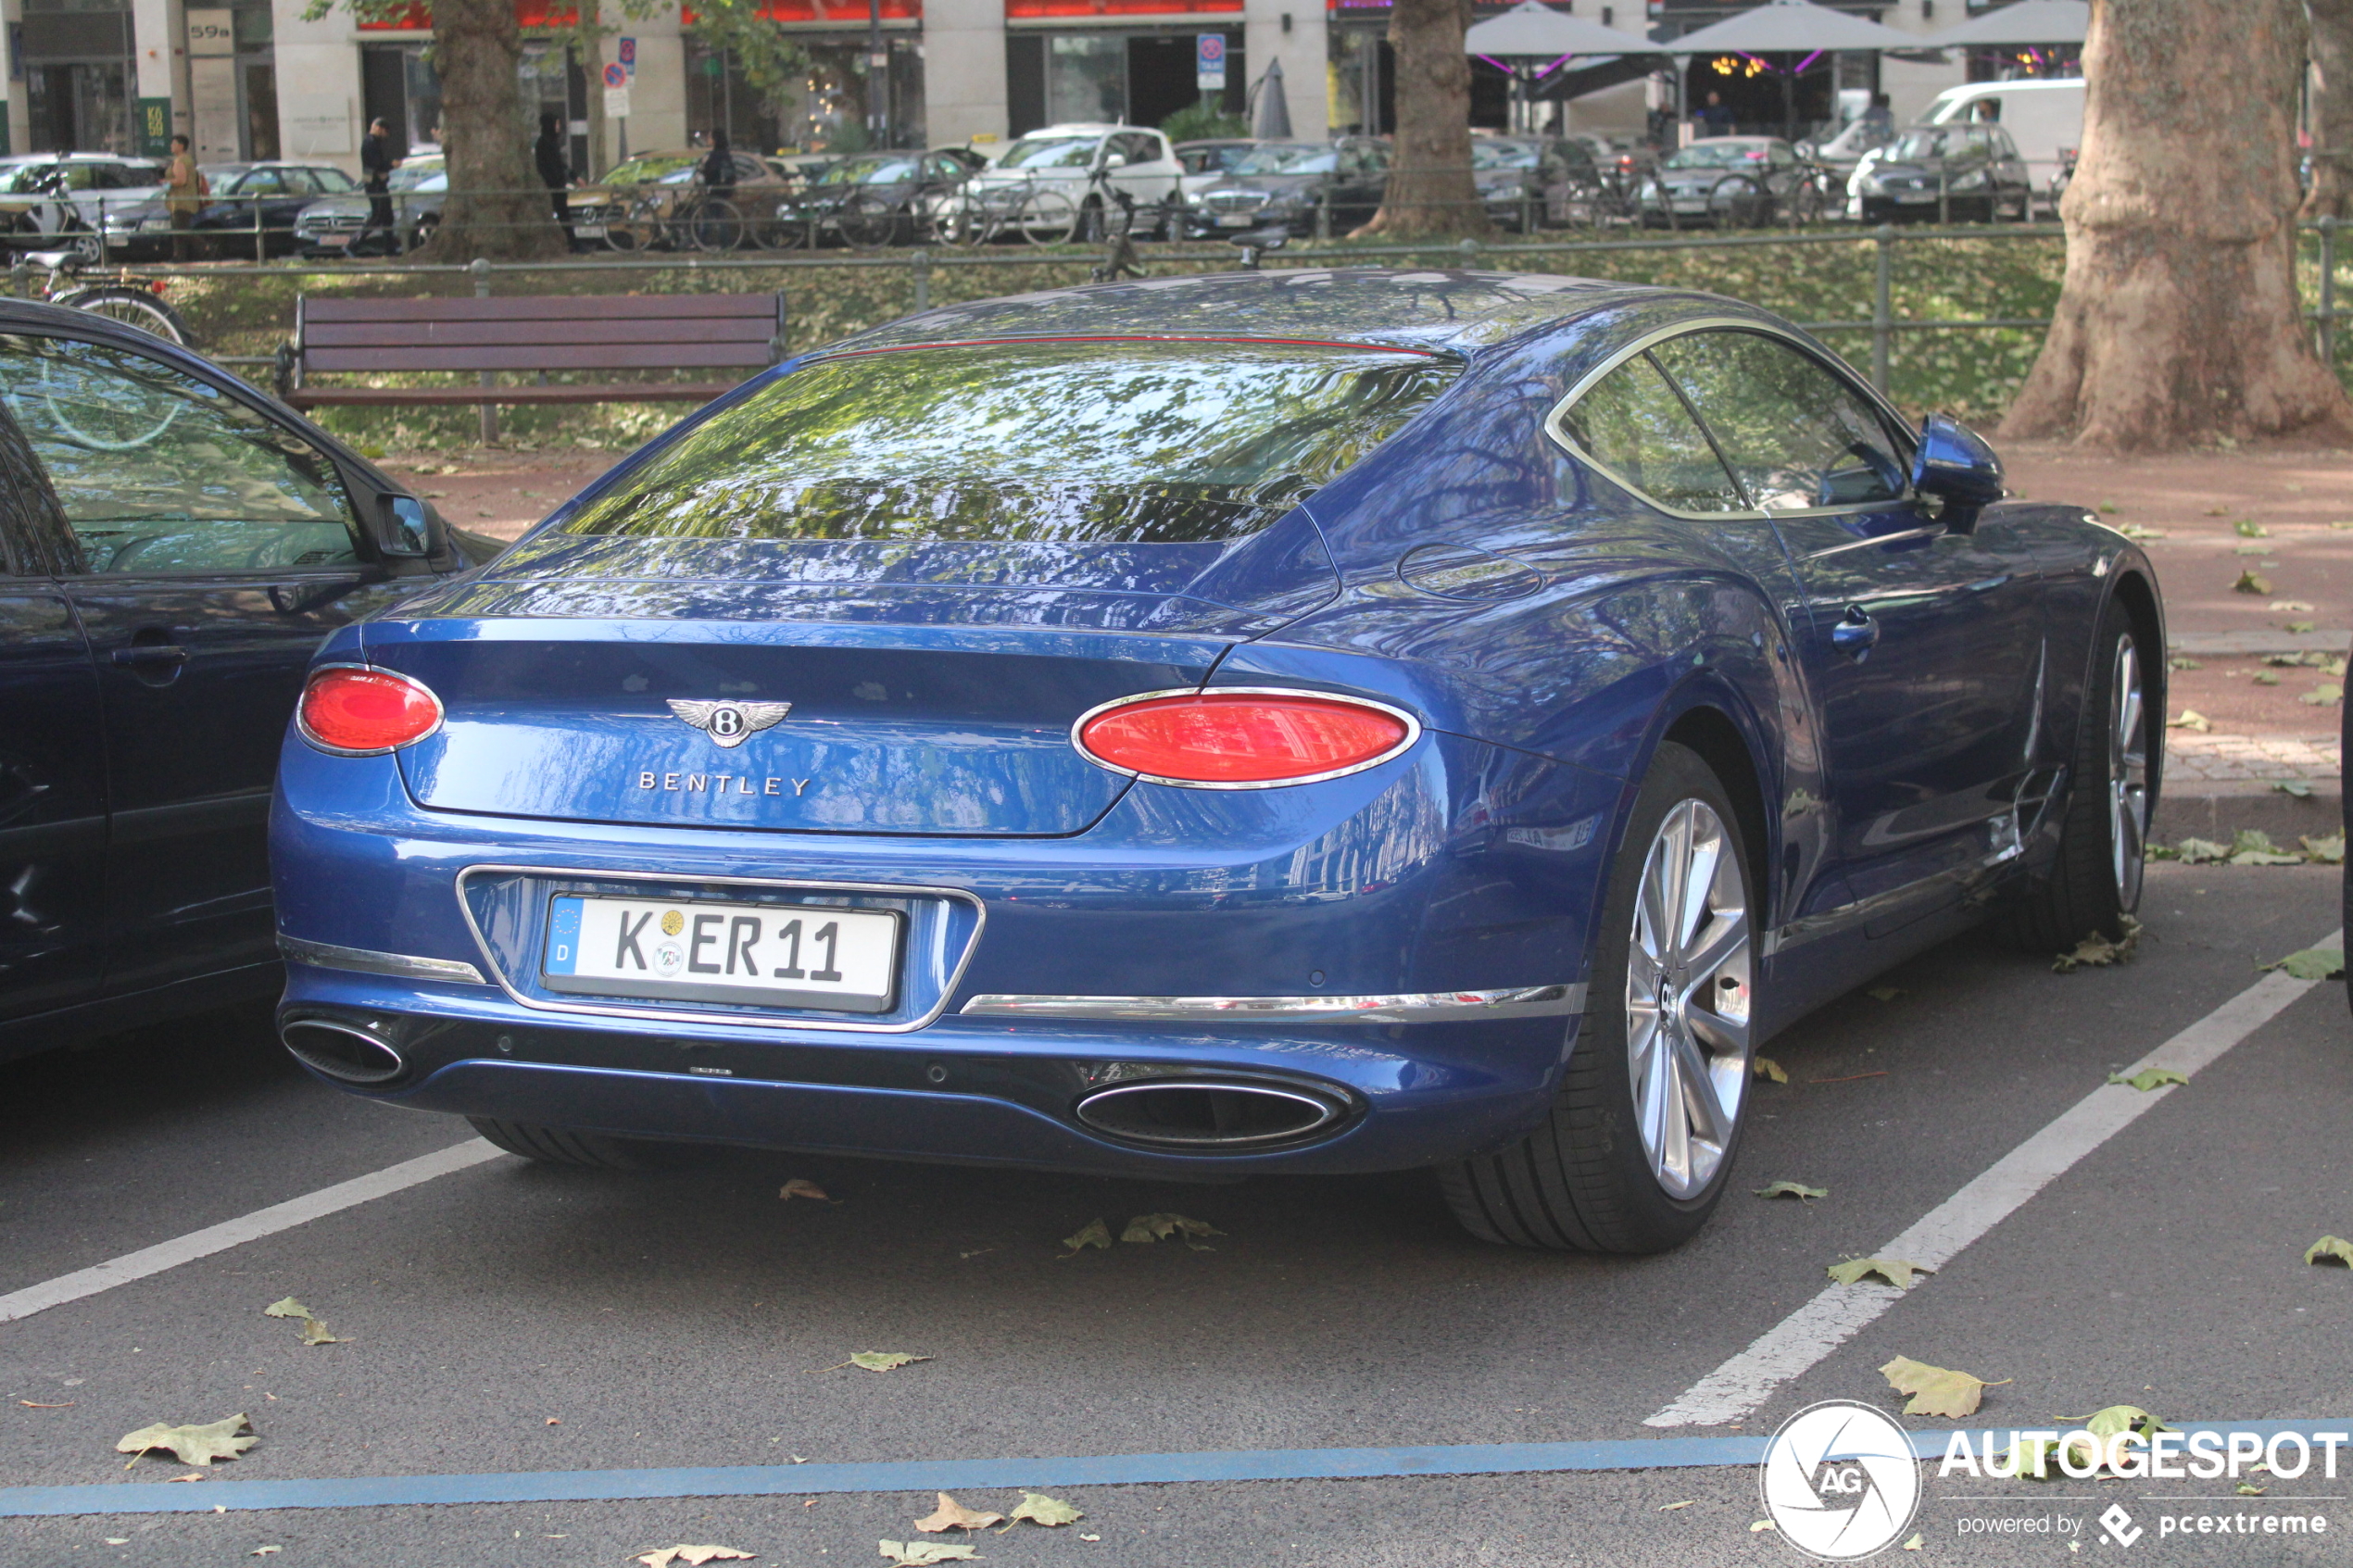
<point x="2180" y="320"/>
<point x="2331" y="192"/>
<point x="497" y="208"/>
<point x="1430" y="189"/>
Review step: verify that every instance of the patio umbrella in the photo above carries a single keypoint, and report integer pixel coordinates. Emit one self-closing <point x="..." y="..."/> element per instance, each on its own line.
<point x="1273" y="123"/>
<point x="2028" y="21"/>
<point x="1532" y="28"/>
<point x="1791" y="27"/>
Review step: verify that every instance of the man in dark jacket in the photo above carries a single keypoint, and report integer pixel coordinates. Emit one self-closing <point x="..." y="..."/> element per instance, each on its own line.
<point x="719" y="169"/>
<point x="375" y="166"/>
<point x="554" y="169"/>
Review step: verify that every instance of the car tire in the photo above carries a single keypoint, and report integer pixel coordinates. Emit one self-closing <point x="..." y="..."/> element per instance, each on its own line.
<point x="2094" y="879"/>
<point x="1602" y="1173"/>
<point x="563" y="1145"/>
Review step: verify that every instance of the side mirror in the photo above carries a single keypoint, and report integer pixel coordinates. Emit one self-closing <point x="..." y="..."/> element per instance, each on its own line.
<point x="405" y="527"/>
<point x="1807" y="151"/>
<point x="1115" y="161"/>
<point x="1955" y="465"/>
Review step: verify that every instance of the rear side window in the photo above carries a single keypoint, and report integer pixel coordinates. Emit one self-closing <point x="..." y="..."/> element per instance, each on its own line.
<point x="1797" y="436"/>
<point x="1137" y="442"/>
<point x="1633" y="425"/>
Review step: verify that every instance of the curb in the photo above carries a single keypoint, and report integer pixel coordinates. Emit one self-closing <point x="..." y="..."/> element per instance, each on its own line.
<point x="2216" y="809"/>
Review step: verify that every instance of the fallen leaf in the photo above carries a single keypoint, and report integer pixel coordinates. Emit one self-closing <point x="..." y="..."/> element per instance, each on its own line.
<point x="919" y="1554"/>
<point x="2295" y="787"/>
<point x="31" y="1406"/>
<point x="2301" y="626"/>
<point x="2096" y="951"/>
<point x="2135" y="530"/>
<point x="1094" y="1234"/>
<point x="2329" y="1249"/>
<point x="1791" y="1189"/>
<point x="116" y="1540"/>
<point x="265" y="1552"/>
<point x="954" y="1515"/>
<point x="1765" y="1067"/>
<point x="1087" y="1538"/>
<point x="2247" y="528"/>
<point x="1895" y="1271"/>
<point x="1914" y="1544"/>
<point x="192" y="1476"/>
<point x="2107" y="1423"/>
<point x="801" y="1186"/>
<point x="885" y="1361"/>
<point x="285" y="1307"/>
<point x="1040" y="1508"/>
<point x="2183" y="661"/>
<point x="2312" y="963"/>
<point x="1159" y="1227"/>
<point x="1760" y="1524"/>
<point x="192" y="1445"/>
<point x="2247" y="1489"/>
<point x="2148" y="1078"/>
<point x="1884" y="993"/>
<point x="2201" y="851"/>
<point x="2323" y="848"/>
<point x="315" y="1333"/>
<point x="2191" y="719"/>
<point x="694" y="1556"/>
<point x="2267" y="677"/>
<point x="2291" y="606"/>
<point x="553" y="1422"/>
<point x="2249" y="583"/>
<point x="2324" y="696"/>
<point x="1935" y="1390"/>
<point x="1671" y="1506"/>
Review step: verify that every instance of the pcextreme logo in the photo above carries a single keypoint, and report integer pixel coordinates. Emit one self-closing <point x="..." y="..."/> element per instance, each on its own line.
<point x="1839" y="1480"/>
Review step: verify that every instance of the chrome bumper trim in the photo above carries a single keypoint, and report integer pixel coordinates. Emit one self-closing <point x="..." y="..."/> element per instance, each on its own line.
<point x="326" y="955"/>
<point x="1421" y="1007"/>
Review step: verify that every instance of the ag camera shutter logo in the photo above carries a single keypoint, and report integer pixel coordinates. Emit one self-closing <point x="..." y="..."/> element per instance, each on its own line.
<point x="1839" y="1480"/>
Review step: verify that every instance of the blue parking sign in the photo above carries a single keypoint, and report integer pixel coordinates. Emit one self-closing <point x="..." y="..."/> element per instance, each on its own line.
<point x="1208" y="60"/>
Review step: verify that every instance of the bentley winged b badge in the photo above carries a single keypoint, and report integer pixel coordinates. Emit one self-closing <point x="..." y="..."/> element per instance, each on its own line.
<point x="731" y="723"/>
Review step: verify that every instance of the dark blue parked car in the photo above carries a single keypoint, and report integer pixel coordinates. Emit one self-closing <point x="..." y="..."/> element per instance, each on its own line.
<point x="1305" y="722"/>
<point x="173" y="548"/>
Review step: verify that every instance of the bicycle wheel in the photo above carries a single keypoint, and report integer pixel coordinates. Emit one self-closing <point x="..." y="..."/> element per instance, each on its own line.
<point x="716" y="226"/>
<point x="85" y="416"/>
<point x="134" y="307"/>
<point x="1807" y="202"/>
<point x="1738" y="201"/>
<point x="1046" y="217"/>
<point x="869" y="221"/>
<point x="780" y="230"/>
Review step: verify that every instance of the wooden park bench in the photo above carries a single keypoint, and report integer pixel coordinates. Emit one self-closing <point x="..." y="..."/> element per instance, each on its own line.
<point x="530" y="335"/>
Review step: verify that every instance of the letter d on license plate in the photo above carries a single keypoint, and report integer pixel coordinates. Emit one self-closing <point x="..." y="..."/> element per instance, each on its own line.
<point x="772" y="955"/>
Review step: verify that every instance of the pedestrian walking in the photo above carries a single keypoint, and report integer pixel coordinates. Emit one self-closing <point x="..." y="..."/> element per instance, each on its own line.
<point x="555" y="170"/>
<point x="719" y="169"/>
<point x="184" y="189"/>
<point x="375" y="166"/>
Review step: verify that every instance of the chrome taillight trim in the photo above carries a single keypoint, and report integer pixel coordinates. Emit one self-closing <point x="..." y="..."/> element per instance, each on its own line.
<point x="440" y="714"/>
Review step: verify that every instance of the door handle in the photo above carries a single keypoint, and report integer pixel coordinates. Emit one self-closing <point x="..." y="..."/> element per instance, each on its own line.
<point x="151" y="653"/>
<point x="1855" y="634"/>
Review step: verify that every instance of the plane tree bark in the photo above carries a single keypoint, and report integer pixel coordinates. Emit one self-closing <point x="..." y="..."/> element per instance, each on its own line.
<point x="2331" y="52"/>
<point x="1430" y="191"/>
<point x="2179" y="320"/>
<point x="496" y="207"/>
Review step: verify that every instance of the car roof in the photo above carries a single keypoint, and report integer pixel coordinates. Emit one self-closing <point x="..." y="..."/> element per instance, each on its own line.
<point x="1440" y="311"/>
<point x="1080" y="128"/>
<point x="1732" y="141"/>
<point x="74" y="157"/>
<point x="1995" y="89"/>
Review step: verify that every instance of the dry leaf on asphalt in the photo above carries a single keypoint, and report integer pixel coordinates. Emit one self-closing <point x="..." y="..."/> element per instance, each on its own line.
<point x="2252" y="846"/>
<point x="2201" y="851"/>
<point x="694" y="1556"/>
<point x="2329" y="1249"/>
<point x="2096" y="951"/>
<point x="2312" y="963"/>
<point x="1914" y="1544"/>
<point x="1159" y="1227"/>
<point x="2251" y="582"/>
<point x="2247" y="528"/>
<point x="1895" y="1271"/>
<point x="2248" y="1489"/>
<point x="1671" y="1506"/>
<point x="2295" y="787"/>
<point x="2148" y="1078"/>
<point x="919" y="1554"/>
<point x="2191" y="719"/>
<point x="1094" y="1234"/>
<point x="2323" y="848"/>
<point x="954" y="1515"/>
<point x="1765" y="1067"/>
<point x="1935" y="1390"/>
<point x="801" y="1186"/>
<point x="265" y="1552"/>
<point x="1759" y="1525"/>
<point x="192" y="1445"/>
<point x="1040" y="1508"/>
<point x="1791" y="1189"/>
<point x="315" y="1333"/>
<point x="285" y="1307"/>
<point x="2106" y="1423"/>
<point x="2328" y="694"/>
<point x="876" y="1360"/>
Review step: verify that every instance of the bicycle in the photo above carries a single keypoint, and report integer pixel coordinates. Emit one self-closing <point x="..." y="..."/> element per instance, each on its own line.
<point x="705" y="221"/>
<point x="131" y="304"/>
<point x="1038" y="212"/>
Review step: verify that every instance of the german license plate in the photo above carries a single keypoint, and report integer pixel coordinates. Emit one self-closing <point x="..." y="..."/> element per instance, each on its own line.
<point x="589" y="231"/>
<point x="775" y="955"/>
<point x="1235" y="219"/>
<point x="335" y="237"/>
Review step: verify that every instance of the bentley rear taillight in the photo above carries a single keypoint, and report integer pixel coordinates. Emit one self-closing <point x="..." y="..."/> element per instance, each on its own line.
<point x="1243" y="738"/>
<point x="357" y="712"/>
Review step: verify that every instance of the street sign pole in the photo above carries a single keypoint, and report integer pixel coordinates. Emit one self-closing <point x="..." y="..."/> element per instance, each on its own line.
<point x="1209" y="63"/>
<point x="617" y="97"/>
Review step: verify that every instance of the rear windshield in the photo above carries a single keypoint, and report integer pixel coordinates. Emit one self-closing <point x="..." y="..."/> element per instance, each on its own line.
<point x="1137" y="443"/>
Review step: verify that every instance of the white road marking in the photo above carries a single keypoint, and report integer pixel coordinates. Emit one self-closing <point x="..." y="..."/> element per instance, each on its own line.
<point x="1841" y="1311"/>
<point x="237" y="1232"/>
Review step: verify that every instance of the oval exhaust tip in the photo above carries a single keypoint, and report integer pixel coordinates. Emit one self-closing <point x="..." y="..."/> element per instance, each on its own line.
<point x="343" y="1051"/>
<point x="1176" y="1113"/>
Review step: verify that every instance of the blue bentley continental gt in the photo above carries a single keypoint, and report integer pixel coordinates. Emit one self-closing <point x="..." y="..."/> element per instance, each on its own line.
<point x="1312" y="722"/>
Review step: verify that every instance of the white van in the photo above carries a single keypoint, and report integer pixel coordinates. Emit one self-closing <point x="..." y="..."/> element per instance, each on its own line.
<point x="2045" y="118"/>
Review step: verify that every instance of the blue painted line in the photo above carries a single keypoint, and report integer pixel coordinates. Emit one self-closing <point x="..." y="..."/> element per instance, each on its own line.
<point x="942" y="1475"/>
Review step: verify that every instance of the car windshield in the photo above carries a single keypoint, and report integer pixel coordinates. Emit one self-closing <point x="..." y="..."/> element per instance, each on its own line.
<point x="1717" y="155"/>
<point x="1486" y="154"/>
<point x="25" y="176"/>
<point x="868" y="172"/>
<point x="330" y="177"/>
<point x="411" y="175"/>
<point x="1305" y="157"/>
<point x="1137" y="442"/>
<point x="1050" y="152"/>
<point x="1214" y="160"/>
<point x="1916" y="144"/>
<point x="655" y="167"/>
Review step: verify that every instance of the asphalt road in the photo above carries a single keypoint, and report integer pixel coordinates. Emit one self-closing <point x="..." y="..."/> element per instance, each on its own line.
<point x="510" y="1318"/>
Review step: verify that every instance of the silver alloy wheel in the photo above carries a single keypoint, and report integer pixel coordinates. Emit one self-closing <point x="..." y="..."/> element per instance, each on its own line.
<point x="2128" y="776"/>
<point x="1687" y="998"/>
